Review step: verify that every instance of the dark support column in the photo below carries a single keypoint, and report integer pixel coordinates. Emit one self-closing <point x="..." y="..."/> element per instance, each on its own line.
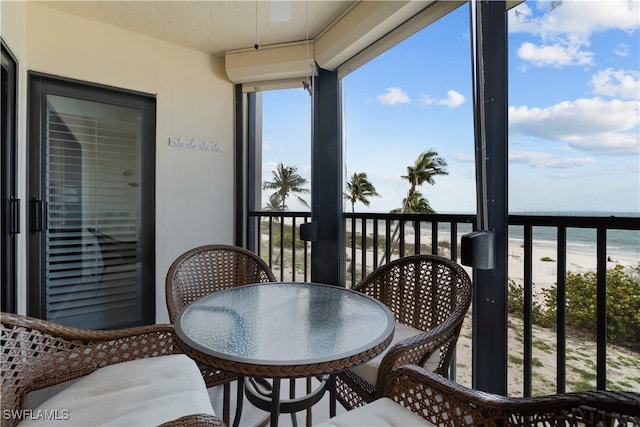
<point x="252" y="146"/>
<point x="490" y="292"/>
<point x="327" y="249"/>
<point x="240" y="213"/>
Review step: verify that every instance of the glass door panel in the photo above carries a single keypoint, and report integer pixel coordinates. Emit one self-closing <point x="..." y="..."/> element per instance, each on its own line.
<point x="93" y="172"/>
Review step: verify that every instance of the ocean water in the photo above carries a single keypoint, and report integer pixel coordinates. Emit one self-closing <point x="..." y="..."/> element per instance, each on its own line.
<point x="620" y="243"/>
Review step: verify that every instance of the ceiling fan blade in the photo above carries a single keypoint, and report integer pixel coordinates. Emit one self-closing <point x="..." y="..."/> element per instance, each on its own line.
<point x="279" y="10"/>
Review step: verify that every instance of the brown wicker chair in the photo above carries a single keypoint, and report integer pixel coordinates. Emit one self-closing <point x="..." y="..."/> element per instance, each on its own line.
<point x="37" y="354"/>
<point x="427" y="293"/>
<point x="207" y="269"/>
<point x="444" y="403"/>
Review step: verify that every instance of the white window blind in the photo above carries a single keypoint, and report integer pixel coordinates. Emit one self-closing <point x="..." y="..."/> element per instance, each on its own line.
<point x="93" y="193"/>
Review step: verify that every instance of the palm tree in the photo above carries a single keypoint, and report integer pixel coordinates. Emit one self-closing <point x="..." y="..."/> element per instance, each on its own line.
<point x="359" y="189"/>
<point x="416" y="205"/>
<point x="427" y="166"/>
<point x="286" y="180"/>
<point x="273" y="205"/>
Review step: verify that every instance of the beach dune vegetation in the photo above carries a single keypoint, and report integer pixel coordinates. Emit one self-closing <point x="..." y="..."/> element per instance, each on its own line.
<point x="623" y="305"/>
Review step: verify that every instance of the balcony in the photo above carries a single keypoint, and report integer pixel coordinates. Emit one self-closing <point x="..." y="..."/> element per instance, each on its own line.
<point x="541" y="360"/>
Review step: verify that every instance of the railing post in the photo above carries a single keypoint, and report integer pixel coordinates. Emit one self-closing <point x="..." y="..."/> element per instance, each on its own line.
<point x="527" y="310"/>
<point x="601" y="310"/>
<point x="561" y="305"/>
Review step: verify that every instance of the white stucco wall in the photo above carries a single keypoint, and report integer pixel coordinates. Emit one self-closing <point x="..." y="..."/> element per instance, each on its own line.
<point x="194" y="188"/>
<point x="13" y="30"/>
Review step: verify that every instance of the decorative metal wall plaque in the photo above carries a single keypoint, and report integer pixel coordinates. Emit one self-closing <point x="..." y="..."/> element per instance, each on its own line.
<point x="196" y="144"/>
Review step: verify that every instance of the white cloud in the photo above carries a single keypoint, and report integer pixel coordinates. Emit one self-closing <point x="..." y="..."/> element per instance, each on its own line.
<point x="269" y="166"/>
<point x="593" y="125"/>
<point x="453" y="99"/>
<point x="464" y="157"/>
<point x="565" y="30"/>
<point x="527" y="157"/>
<point x="520" y="18"/>
<point x="547" y="161"/>
<point x="555" y="55"/>
<point x="426" y="100"/>
<point x="621" y="50"/>
<point x="540" y="160"/>
<point x="574" y="18"/>
<point x="617" y="83"/>
<point x="393" y="96"/>
<point x="267" y="146"/>
<point x="586" y="17"/>
<point x="567" y="163"/>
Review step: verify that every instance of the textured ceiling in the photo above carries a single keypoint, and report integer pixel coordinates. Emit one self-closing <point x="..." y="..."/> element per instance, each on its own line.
<point x="212" y="26"/>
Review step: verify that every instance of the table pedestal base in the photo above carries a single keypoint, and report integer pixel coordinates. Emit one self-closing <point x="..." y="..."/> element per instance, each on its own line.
<point x="270" y="400"/>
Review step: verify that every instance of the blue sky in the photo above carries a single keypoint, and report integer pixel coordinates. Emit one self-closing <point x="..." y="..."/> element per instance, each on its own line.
<point x="574" y="112"/>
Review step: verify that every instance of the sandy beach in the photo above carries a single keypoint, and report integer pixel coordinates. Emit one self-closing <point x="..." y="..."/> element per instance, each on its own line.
<point x="623" y="372"/>
<point x="544" y="262"/>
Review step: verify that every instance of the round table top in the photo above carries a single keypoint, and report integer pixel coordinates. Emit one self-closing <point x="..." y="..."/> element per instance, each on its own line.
<point x="311" y="328"/>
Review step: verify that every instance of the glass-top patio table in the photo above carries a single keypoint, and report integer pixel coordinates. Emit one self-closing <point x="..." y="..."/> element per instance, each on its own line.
<point x="284" y="330"/>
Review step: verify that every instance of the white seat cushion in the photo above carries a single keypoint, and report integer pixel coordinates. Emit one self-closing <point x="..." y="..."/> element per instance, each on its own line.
<point x="368" y="371"/>
<point x="141" y="392"/>
<point x="380" y="412"/>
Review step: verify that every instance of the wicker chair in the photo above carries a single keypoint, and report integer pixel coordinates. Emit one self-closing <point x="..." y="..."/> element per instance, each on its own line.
<point x="429" y="296"/>
<point x="411" y="395"/>
<point x="37" y="354"/>
<point x="207" y="269"/>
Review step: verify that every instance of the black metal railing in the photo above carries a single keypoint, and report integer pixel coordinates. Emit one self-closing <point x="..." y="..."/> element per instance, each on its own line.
<point x="561" y="227"/>
<point x="275" y="237"/>
<point x="374" y="239"/>
<point x="380" y="238"/>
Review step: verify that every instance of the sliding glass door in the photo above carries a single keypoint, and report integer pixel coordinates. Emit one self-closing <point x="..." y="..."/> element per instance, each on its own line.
<point x="91" y="241"/>
<point x="10" y="202"/>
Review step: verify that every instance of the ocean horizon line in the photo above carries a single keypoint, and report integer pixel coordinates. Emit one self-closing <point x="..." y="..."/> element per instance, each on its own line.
<point x="603" y="213"/>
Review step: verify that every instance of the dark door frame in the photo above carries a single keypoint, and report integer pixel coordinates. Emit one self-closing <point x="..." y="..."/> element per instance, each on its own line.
<point x="10" y="200"/>
<point x="38" y="86"/>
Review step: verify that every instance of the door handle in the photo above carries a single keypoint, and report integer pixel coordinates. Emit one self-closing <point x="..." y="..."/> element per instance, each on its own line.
<point x="14" y="216"/>
<point x="40" y="213"/>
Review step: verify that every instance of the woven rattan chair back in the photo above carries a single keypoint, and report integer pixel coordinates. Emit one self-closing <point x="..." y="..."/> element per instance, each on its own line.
<point x="422" y="291"/>
<point x="33" y="357"/>
<point x="448" y="404"/>
<point x="38" y="353"/>
<point x="426" y="292"/>
<point x="207" y="269"/>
